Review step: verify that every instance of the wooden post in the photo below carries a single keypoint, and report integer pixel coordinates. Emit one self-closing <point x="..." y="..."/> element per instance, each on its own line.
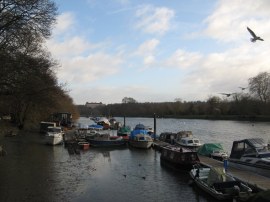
<point x="124" y="121"/>
<point x="155" y="126"/>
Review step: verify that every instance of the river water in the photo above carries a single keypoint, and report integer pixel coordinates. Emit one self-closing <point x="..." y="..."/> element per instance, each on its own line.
<point x="32" y="171"/>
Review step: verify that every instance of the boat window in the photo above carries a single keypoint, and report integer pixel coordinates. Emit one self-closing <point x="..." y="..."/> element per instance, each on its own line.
<point x="196" y="141"/>
<point x="249" y="149"/>
<point x="190" y="141"/>
<point x="264" y="155"/>
<point x="240" y="146"/>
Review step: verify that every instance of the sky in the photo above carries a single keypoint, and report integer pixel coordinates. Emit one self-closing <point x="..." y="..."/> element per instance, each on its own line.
<point x="158" y="51"/>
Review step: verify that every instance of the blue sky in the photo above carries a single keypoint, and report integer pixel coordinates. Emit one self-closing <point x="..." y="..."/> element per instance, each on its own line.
<point x="156" y="50"/>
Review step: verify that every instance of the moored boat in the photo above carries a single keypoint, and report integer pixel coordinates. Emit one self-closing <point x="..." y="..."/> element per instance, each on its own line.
<point x="213" y="150"/>
<point x="84" y="145"/>
<point x="124" y="132"/>
<point x="167" y="137"/>
<point x="105" y="140"/>
<point x="186" y="139"/>
<point x="219" y="184"/>
<point x="140" y="138"/>
<point x="251" y="154"/>
<point x="178" y="157"/>
<point x="54" y="135"/>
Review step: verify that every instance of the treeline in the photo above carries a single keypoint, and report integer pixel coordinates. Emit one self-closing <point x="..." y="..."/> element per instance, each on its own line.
<point x="253" y="103"/>
<point x="253" y="110"/>
<point x="29" y="89"/>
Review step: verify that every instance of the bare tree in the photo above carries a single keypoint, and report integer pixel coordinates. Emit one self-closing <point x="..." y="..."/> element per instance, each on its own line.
<point x="259" y="86"/>
<point x="25" y="21"/>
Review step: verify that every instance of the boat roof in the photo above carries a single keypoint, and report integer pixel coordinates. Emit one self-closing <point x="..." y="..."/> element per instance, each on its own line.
<point x="184" y="134"/>
<point x="177" y="148"/>
<point x="140" y="127"/>
<point x="253" y="142"/>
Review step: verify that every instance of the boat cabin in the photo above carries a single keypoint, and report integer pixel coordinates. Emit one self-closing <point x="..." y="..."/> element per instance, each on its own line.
<point x="254" y="147"/>
<point x="189" y="141"/>
<point x="166" y="136"/>
<point x="183" y="134"/>
<point x="62" y="119"/>
<point x="54" y="129"/>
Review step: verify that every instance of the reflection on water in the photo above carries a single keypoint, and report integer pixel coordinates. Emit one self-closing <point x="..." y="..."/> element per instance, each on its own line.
<point x="33" y="171"/>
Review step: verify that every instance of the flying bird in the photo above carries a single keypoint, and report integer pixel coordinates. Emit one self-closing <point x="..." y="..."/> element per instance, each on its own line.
<point x="227" y="94"/>
<point x="255" y="37"/>
<point x="242" y="88"/>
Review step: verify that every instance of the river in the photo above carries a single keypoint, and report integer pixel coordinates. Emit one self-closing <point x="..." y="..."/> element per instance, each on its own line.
<point x="32" y="171"/>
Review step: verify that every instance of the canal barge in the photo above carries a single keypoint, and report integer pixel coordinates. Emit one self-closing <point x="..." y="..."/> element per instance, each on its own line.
<point x="179" y="157"/>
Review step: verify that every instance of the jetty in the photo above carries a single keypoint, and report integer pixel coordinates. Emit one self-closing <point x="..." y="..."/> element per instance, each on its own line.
<point x="253" y="179"/>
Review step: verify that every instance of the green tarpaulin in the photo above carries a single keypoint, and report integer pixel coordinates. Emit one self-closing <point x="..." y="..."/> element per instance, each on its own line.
<point x="207" y="149"/>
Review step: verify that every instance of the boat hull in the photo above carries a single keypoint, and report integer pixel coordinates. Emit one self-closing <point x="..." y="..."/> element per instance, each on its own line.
<point x="178" y="158"/>
<point x="258" y="169"/>
<point x="212" y="192"/>
<point x="54" y="139"/>
<point x="84" y="145"/>
<point x="141" y="144"/>
<point x="220" y="190"/>
<point x="107" y="143"/>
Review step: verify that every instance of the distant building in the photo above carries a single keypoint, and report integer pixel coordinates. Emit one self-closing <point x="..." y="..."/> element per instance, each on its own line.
<point x="94" y="104"/>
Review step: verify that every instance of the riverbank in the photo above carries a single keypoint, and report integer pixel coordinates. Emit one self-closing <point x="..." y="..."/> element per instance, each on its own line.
<point x="7" y="128"/>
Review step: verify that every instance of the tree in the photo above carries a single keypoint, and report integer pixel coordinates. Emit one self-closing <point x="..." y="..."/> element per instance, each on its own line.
<point x="259" y="86"/>
<point x="27" y="78"/>
<point x="128" y="100"/>
<point x="214" y="102"/>
<point x="24" y="22"/>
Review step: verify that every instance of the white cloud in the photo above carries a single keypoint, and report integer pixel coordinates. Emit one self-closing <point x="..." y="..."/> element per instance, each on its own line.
<point x="147" y="51"/>
<point x="226" y="71"/>
<point x="148" y="47"/>
<point x="69" y="47"/>
<point x="182" y="59"/>
<point x="65" y="21"/>
<point x="88" y="69"/>
<point x="154" y="19"/>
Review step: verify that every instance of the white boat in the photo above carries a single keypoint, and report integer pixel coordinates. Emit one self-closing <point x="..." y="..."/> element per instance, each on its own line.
<point x="54" y="135"/>
<point x="252" y="155"/>
<point x="186" y="139"/>
<point x="219" y="155"/>
<point x="141" y="141"/>
<point x="218" y="184"/>
<point x="140" y="138"/>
